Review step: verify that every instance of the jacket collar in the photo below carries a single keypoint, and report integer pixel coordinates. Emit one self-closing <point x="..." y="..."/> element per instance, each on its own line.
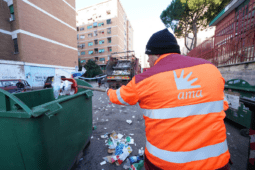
<point x="163" y="56"/>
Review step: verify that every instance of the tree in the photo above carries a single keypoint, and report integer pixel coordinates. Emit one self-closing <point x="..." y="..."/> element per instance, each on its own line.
<point x="190" y="16"/>
<point x="92" y="69"/>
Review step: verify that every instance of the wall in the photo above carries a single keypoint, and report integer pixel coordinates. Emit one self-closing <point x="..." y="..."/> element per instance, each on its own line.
<point x="243" y="71"/>
<point x="35" y="74"/>
<point x="11" y="72"/>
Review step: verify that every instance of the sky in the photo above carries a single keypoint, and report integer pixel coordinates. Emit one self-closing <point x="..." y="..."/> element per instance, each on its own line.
<point x="144" y="16"/>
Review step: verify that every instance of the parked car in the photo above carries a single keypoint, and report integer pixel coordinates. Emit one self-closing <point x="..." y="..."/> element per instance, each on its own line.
<point x="15" y="85"/>
<point x="49" y="81"/>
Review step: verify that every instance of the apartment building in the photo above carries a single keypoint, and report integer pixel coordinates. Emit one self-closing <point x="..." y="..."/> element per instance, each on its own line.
<point x="37" y="39"/>
<point x="101" y="30"/>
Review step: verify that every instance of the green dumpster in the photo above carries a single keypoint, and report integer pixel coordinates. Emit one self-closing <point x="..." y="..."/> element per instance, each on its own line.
<point x="238" y="112"/>
<point x="39" y="132"/>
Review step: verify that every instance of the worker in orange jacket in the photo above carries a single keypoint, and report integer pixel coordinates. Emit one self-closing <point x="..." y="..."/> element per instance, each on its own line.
<point x="183" y="102"/>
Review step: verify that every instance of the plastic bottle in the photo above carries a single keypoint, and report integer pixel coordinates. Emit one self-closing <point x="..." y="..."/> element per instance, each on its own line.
<point x="135" y="159"/>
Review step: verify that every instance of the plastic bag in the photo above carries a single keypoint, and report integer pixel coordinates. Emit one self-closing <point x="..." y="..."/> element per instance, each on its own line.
<point x="56" y="86"/>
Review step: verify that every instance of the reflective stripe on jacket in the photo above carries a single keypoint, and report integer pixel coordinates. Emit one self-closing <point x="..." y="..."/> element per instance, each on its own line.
<point x="183" y="102"/>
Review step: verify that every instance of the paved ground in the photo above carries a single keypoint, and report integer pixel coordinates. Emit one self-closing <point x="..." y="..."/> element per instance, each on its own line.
<point x="117" y="116"/>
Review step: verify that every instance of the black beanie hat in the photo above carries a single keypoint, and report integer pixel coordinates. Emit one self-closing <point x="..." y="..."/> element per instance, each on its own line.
<point x="162" y="42"/>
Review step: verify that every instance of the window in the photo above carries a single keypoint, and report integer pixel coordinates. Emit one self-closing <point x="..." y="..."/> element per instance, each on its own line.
<point x="101" y="32"/>
<point x="79" y="53"/>
<point x="108" y="57"/>
<point x="16" y="49"/>
<point x="12" y="12"/>
<point x="101" y="42"/>
<point x="109" y="49"/>
<point x="83" y="61"/>
<point x="90" y="52"/>
<point x="82" y="45"/>
<point x="108" y="21"/>
<point x="96" y="42"/>
<point x="108" y="30"/>
<point x="90" y="35"/>
<point x="100" y="24"/>
<point x="83" y="53"/>
<point x="95" y="33"/>
<point x="82" y="28"/>
<point x="82" y="36"/>
<point x="109" y="40"/>
<point x="102" y="59"/>
<point x="77" y="28"/>
<point x="77" y="36"/>
<point x="96" y="50"/>
<point x="95" y="24"/>
<point x="96" y="58"/>
<point x="89" y="27"/>
<point x="90" y="43"/>
<point x="101" y="50"/>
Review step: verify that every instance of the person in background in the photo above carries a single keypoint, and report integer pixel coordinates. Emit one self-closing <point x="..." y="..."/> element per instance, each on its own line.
<point x="184" y="103"/>
<point x="99" y="82"/>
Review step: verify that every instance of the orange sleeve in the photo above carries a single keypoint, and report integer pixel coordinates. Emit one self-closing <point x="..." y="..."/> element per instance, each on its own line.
<point x="125" y="95"/>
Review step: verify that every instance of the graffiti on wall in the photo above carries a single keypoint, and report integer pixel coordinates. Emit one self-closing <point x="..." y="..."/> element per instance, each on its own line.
<point x="11" y="72"/>
<point x="36" y="76"/>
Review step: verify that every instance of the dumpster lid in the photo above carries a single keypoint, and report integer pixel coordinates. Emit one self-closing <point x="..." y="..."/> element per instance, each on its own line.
<point x="239" y="84"/>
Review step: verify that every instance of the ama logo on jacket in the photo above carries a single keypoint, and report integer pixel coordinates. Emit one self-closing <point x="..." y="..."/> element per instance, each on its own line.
<point x="183" y="84"/>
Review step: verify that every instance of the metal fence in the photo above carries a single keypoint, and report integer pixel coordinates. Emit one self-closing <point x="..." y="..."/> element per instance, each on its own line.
<point x="233" y="41"/>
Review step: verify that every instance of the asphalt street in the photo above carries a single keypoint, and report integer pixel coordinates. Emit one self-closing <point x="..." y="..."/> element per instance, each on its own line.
<point x="108" y="117"/>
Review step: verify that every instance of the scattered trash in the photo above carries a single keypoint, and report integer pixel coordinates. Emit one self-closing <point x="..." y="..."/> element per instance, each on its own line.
<point x="137" y="166"/>
<point x="120" y="136"/>
<point x="133" y="116"/>
<point x="91" y="137"/>
<point x="228" y="133"/>
<point x="106" y="120"/>
<point x="129" y="121"/>
<point x="141" y="151"/>
<point x="111" y="150"/>
<point x="113" y="106"/>
<point x="94" y="127"/>
<point x="99" y="98"/>
<point x="109" y="103"/>
<point x="135" y="159"/>
<point x="122" y="106"/>
<point x="120" y="150"/>
<point x="131" y="134"/>
<point x="97" y="138"/>
<point x="97" y="118"/>
<point x="102" y="163"/>
<point x="104" y="136"/>
<point x="120" y="111"/>
<point x="81" y="159"/>
<point x="105" y="128"/>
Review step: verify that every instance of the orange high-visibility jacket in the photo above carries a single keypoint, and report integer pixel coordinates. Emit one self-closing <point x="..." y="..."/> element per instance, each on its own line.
<point x="183" y="102"/>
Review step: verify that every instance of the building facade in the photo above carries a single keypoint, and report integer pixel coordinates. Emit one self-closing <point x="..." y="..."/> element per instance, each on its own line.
<point x="103" y="29"/>
<point x="37" y="40"/>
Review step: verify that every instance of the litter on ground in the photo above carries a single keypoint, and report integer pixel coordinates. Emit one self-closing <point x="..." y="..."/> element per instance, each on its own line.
<point x="120" y="150"/>
<point x="129" y="121"/>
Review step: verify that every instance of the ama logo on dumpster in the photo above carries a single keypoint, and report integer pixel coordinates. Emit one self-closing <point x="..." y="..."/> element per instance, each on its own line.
<point x="183" y="84"/>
